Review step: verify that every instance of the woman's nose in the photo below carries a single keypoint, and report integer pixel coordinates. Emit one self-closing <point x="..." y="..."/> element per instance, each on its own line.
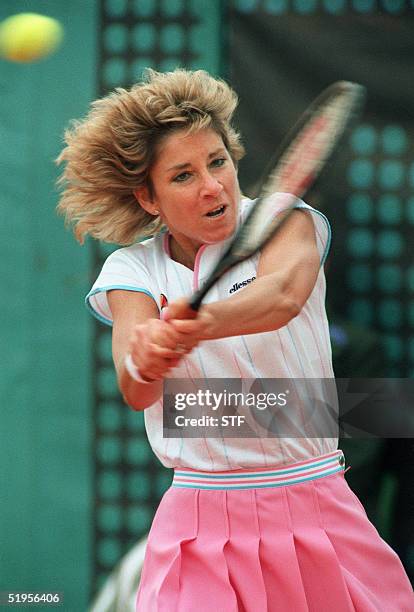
<point x="211" y="186"/>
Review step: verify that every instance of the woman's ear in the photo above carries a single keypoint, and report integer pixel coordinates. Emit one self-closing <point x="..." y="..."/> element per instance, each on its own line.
<point x="144" y="199"/>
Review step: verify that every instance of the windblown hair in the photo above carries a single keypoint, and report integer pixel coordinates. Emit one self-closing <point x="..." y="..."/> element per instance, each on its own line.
<point x="109" y="153"/>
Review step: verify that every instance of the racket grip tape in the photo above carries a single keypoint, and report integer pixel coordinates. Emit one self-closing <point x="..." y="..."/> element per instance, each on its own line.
<point x="196" y="299"/>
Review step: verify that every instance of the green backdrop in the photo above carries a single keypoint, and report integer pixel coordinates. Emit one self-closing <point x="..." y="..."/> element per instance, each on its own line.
<point x="45" y="407"/>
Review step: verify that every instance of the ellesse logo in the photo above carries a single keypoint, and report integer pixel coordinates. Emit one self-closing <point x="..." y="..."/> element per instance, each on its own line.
<point x="241" y="284"/>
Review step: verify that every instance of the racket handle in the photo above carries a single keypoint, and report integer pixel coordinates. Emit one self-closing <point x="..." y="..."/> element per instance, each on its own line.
<point x="196" y="299"/>
<point x="198" y="296"/>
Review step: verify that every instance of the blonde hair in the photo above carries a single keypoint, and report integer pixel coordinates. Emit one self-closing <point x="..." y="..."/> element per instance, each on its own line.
<point x="109" y="153"/>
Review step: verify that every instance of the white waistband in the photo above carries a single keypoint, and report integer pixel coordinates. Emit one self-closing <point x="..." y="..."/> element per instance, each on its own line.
<point x="318" y="467"/>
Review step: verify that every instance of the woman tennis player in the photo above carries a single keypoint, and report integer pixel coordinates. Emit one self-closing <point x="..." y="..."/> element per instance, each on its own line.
<point x="249" y="524"/>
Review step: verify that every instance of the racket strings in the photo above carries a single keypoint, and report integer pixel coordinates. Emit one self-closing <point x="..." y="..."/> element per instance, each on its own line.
<point x="314" y="143"/>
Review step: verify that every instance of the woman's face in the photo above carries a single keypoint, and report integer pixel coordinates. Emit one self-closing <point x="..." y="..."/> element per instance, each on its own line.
<point x="195" y="189"/>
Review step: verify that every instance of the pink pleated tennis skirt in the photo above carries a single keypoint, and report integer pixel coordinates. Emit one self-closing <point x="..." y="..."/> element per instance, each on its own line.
<point x="291" y="539"/>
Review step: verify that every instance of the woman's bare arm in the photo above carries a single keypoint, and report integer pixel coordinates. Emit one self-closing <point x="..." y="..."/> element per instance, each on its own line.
<point x="152" y="344"/>
<point x="287" y="272"/>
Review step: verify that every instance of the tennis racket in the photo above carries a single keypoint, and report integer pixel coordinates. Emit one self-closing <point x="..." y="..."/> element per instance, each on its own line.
<point x="309" y="146"/>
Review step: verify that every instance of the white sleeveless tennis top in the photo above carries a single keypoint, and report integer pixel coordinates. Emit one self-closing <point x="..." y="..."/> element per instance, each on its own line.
<point x="301" y="349"/>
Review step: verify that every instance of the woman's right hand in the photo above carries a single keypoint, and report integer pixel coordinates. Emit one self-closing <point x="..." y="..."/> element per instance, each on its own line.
<point x="156" y="347"/>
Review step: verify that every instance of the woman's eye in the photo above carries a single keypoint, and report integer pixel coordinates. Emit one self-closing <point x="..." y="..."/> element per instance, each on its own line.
<point x="180" y="178"/>
<point x="217" y="163"/>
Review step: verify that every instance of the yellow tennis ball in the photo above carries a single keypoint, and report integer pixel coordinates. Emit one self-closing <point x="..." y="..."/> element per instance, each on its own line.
<point x="28" y="37"/>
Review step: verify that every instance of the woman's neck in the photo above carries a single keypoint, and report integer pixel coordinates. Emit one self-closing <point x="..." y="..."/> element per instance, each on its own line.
<point x="183" y="256"/>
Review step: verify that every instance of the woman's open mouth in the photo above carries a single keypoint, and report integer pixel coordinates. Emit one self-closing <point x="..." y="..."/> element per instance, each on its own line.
<point x="217" y="212"/>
